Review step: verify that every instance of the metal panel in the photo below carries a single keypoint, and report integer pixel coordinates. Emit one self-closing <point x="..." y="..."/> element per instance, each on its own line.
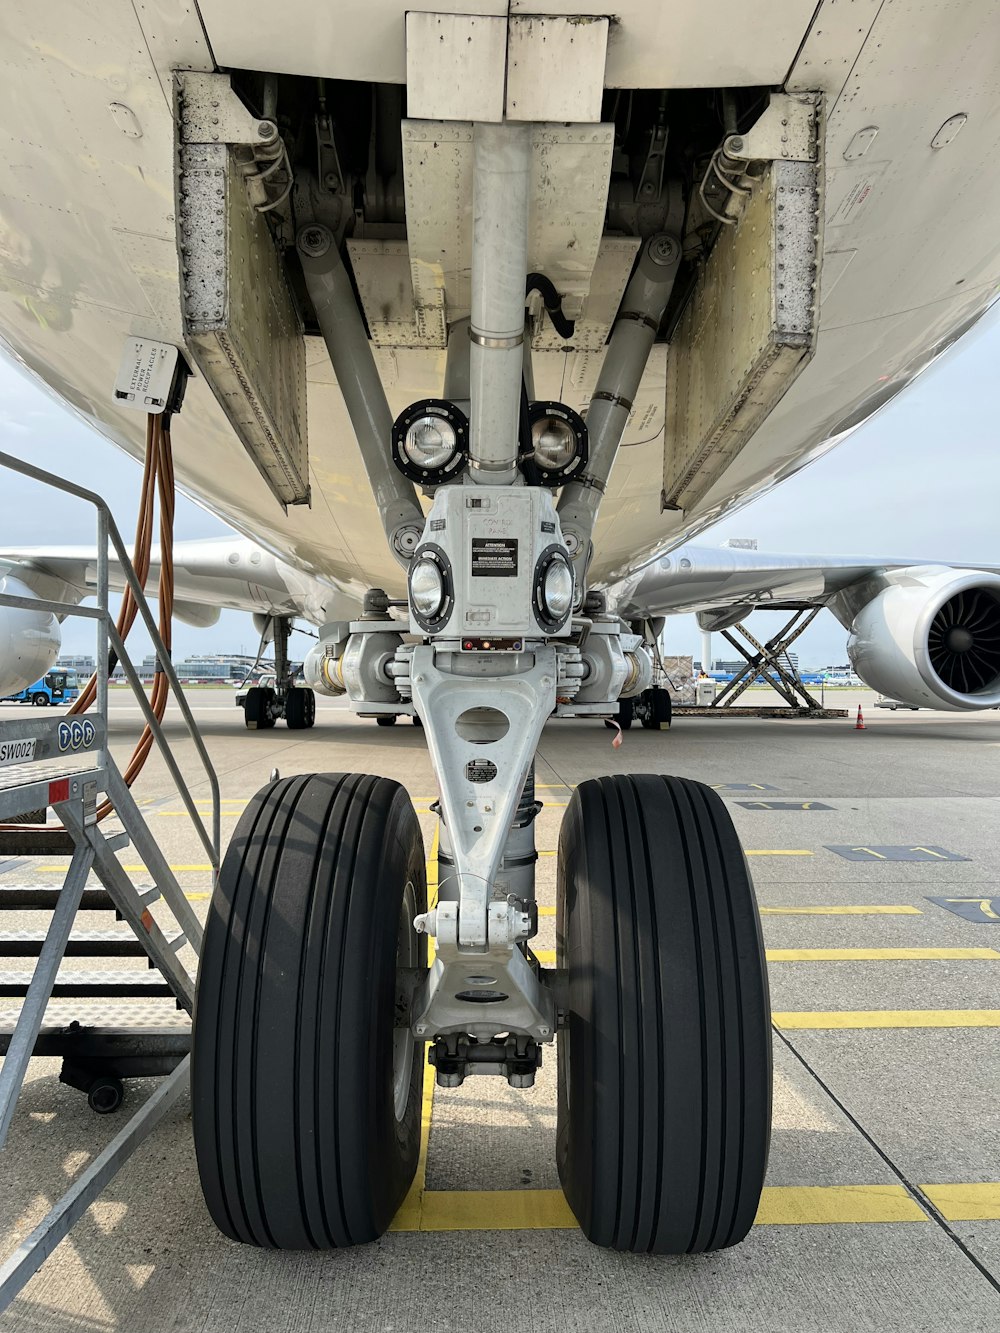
<point x="455" y="66"/>
<point x="837" y="35"/>
<point x="350" y="39"/>
<point x="555" y="68"/>
<point x="746" y="333"/>
<point x="597" y="310"/>
<point x="240" y="324"/>
<point x="689" y="44"/>
<point x="686" y="44"/>
<point x="570" y="173"/>
<point x="382" y="276"/>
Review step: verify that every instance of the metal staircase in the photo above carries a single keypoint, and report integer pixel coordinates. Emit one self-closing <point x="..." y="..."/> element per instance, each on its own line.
<point x="66" y="768"/>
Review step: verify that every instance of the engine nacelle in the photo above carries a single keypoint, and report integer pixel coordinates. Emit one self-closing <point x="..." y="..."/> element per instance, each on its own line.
<point x="931" y="638"/>
<point x="29" y="640"/>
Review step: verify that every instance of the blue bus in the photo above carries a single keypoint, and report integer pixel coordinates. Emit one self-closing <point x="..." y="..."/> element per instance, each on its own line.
<point x="58" y="686"/>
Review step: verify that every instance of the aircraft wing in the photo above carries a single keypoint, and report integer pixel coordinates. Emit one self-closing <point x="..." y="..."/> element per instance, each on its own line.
<point x="722" y="584"/>
<point x="230" y="573"/>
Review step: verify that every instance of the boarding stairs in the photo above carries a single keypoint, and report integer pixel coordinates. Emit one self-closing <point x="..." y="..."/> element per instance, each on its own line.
<point x="63" y="991"/>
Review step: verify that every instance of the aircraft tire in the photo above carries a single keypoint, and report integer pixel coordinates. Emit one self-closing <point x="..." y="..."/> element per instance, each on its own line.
<point x="306" y="1097"/>
<point x="300" y="708"/>
<point x="664" y="1068"/>
<point x="656" y="709"/>
<point x="386" y="720"/>
<point x="257" y="715"/>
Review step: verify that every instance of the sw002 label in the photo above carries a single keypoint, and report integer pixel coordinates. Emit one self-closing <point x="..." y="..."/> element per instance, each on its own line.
<point x="17" y="752"/>
<point x="494" y="557"/>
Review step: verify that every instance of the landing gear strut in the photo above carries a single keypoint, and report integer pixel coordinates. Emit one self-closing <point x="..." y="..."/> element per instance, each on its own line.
<point x="315" y="1001"/>
<point x="263" y="705"/>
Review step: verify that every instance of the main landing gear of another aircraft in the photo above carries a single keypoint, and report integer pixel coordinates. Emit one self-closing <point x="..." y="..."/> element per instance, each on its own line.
<point x="263" y="705"/>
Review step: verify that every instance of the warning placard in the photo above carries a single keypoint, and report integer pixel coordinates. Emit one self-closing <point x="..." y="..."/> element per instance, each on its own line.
<point x="494" y="557"/>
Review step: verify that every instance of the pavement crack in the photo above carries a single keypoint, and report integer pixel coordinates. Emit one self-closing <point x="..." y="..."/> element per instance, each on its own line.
<point x="915" y="1192"/>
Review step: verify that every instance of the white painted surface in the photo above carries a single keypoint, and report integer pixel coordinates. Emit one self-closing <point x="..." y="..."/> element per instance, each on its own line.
<point x="455" y="66"/>
<point x="555" y="68"/>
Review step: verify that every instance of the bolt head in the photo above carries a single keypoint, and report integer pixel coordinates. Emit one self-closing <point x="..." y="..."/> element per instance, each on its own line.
<point x="314" y="241"/>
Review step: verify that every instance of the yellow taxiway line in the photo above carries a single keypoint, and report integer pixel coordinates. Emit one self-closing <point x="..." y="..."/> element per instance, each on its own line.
<point x="780" y="1205"/>
<point x="887" y="1018"/>
<point x="900" y="909"/>
<point x="548" y="957"/>
<point x="874" y="955"/>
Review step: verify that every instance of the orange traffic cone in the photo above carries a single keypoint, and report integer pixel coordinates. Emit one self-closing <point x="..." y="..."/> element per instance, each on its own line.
<point x="860" y="724"/>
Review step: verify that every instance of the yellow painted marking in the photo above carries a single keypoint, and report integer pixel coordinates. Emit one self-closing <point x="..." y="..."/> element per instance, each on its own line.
<point x="432" y="889"/>
<point x="183" y="814"/>
<point x="491" y="1210"/>
<point x="547" y="853"/>
<point x="931" y="852"/>
<point x="132" y="870"/>
<point x="411" y="1211"/>
<point x="555" y="786"/>
<point x="966" y="1203"/>
<point x="546" y="911"/>
<point x="901" y="910"/>
<point x="878" y="855"/>
<point x="873" y="955"/>
<point x="790" y="1205"/>
<point x="889" y="1018"/>
<point x="534" y="1210"/>
<point x="773" y="852"/>
<point x="548" y="957"/>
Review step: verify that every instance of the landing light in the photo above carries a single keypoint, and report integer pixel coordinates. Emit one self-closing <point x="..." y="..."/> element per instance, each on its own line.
<point x="559" y="447"/>
<point x="432" y="588"/>
<point x="554" y="588"/>
<point x="427" y="588"/>
<point x="429" y="441"/>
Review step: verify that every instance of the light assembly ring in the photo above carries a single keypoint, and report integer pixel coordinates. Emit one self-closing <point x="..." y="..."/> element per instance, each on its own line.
<point x="559" y="444"/>
<point x="430" y="441"/>
<point x="432" y="622"/>
<point x="553" y="588"/>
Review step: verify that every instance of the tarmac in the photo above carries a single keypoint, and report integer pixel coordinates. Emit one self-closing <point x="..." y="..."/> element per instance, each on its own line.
<point x="875" y="857"/>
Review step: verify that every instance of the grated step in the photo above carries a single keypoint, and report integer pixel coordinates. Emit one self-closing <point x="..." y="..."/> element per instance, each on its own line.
<point x="81" y="944"/>
<point x="103" y="985"/>
<point x="43" y="897"/>
<point x="103" y="1012"/>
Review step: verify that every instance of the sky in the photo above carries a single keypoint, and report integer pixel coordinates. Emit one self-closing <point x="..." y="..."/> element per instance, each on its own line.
<point x="922" y="479"/>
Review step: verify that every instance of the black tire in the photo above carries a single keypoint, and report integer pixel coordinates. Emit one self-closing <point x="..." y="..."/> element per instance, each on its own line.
<point x="300" y="708"/>
<point x="105" y="1095"/>
<point x="416" y="720"/>
<point x="257" y="713"/>
<point x="624" y="715"/>
<point x="657" y="709"/>
<point x="386" y="720"/>
<point x="299" y="1140"/>
<point x="40" y="700"/>
<point x="664" y="1084"/>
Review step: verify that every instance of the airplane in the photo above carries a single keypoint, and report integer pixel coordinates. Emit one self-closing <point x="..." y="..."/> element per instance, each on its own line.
<point x="721" y="585"/>
<point x="486" y="310"/>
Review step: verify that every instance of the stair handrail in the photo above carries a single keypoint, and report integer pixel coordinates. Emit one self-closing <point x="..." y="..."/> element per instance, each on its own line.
<point x="109" y="638"/>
